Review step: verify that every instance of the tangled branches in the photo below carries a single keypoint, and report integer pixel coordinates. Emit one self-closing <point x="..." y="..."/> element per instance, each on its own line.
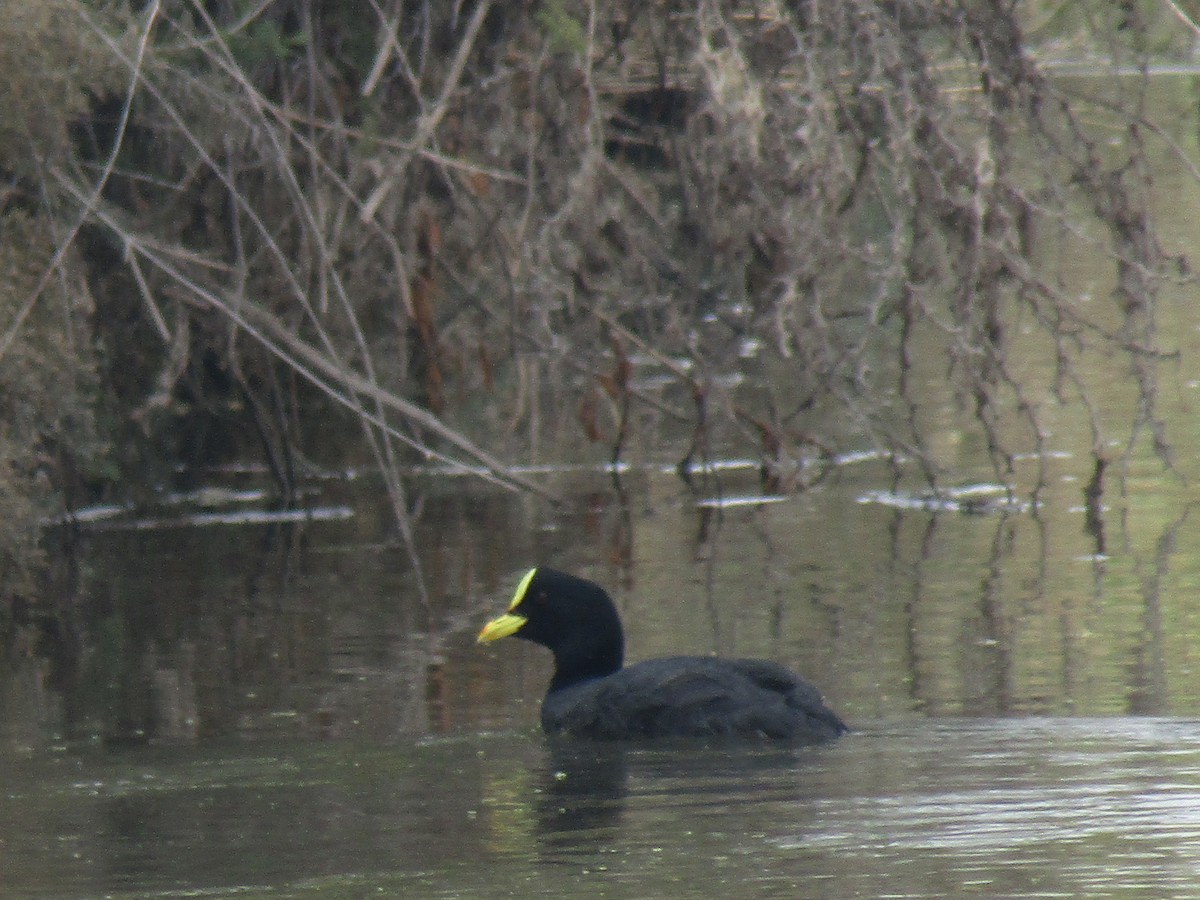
<point x="478" y="227"/>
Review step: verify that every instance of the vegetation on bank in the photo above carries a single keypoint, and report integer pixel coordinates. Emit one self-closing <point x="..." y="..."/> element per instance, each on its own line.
<point x="313" y="232"/>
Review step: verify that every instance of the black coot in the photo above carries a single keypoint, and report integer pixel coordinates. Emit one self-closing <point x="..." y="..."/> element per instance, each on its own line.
<point x="592" y="696"/>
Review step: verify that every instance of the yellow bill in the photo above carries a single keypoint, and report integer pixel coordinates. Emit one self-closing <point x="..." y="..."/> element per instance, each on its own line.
<point x="501" y="626"/>
<point x="510" y="622"/>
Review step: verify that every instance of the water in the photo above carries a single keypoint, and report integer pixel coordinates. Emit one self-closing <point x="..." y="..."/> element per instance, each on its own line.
<point x="245" y="708"/>
<point x="995" y="808"/>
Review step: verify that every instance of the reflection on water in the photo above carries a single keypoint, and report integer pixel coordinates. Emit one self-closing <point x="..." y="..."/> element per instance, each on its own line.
<point x="316" y="628"/>
<point x="1031" y="808"/>
<point x="581" y="795"/>
<point x="271" y="707"/>
<point x="1013" y="808"/>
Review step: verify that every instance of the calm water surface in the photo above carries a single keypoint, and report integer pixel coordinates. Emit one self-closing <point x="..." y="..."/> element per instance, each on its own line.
<point x="273" y="710"/>
<point x="1012" y="808"/>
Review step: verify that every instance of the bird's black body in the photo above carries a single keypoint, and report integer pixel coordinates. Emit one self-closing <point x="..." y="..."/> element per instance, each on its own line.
<point x="593" y="696"/>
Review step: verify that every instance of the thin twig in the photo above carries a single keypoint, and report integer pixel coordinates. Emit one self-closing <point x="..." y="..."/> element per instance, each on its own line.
<point x="67" y="242"/>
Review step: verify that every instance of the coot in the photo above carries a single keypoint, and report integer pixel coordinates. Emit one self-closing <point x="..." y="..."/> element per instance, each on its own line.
<point x="593" y="696"/>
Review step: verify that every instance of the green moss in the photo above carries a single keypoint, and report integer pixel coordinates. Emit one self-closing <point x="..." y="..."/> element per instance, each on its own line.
<point x="563" y="31"/>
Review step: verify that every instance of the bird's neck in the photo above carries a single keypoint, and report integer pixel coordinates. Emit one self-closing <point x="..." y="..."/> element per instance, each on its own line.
<point x="571" y="668"/>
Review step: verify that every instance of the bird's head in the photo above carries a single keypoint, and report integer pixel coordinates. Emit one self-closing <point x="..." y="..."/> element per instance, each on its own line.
<point x="572" y="617"/>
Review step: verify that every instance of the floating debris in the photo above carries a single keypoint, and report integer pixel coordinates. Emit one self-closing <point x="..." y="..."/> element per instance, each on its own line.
<point x="1048" y="454"/>
<point x="978" y="499"/>
<point x="860" y="456"/>
<point x="90" y="514"/>
<point x="215" y="496"/>
<point x="744" y="500"/>
<point x="749" y="348"/>
<point x="733" y="464"/>
<point x="718" y="465"/>
<point x="204" y="519"/>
